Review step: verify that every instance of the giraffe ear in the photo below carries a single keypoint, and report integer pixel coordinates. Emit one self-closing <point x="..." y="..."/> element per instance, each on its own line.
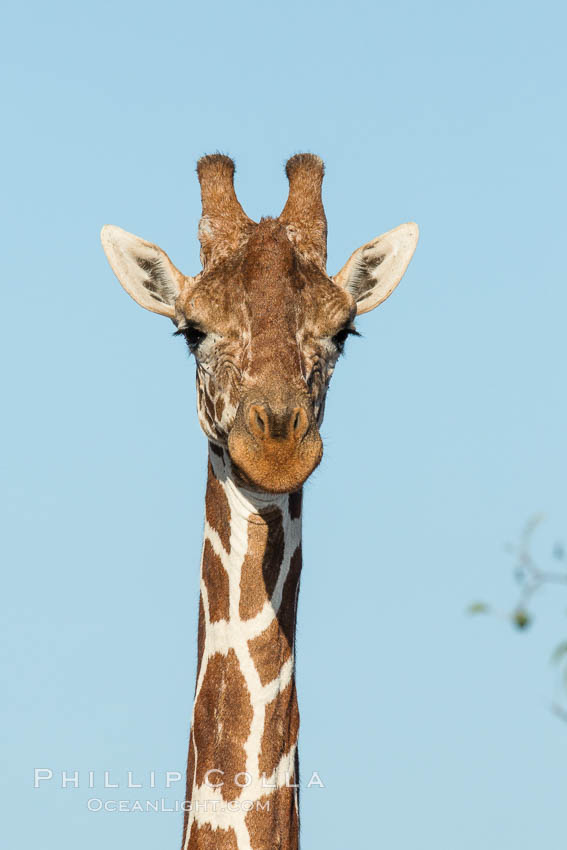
<point x="373" y="271"/>
<point x="143" y="269"/>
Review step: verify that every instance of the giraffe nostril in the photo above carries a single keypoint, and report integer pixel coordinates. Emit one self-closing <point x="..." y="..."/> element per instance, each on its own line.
<point x="258" y="422"/>
<point x="299" y="423"/>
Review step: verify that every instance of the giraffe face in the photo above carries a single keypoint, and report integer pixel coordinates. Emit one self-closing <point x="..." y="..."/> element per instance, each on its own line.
<point x="263" y="319"/>
<point x="266" y="326"/>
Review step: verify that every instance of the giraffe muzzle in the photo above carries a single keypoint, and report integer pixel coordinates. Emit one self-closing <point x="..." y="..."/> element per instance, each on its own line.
<point x="275" y="447"/>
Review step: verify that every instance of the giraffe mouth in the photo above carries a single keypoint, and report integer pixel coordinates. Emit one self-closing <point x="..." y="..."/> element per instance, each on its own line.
<point x="274" y="451"/>
<point x="274" y="468"/>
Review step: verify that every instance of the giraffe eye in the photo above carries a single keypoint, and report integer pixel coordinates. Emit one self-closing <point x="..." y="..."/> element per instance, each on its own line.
<point x="193" y="336"/>
<point x="341" y="337"/>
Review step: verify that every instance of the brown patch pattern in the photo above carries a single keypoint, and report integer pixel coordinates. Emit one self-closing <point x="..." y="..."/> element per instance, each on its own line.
<point x="269" y="651"/>
<point x="281" y="727"/>
<point x="223" y="715"/>
<point x="206" y="838"/>
<point x="287" y="611"/>
<point x="295" y="500"/>
<point x="272" y="647"/>
<point x="216" y="581"/>
<point x="277" y="827"/>
<point x="262" y="563"/>
<point x="217" y="509"/>
<point x="219" y="408"/>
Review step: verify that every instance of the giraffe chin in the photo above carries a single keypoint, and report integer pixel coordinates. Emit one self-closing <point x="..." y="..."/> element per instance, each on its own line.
<point x="274" y="466"/>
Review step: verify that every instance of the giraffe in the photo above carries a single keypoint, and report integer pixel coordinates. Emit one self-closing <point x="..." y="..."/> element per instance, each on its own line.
<point x="266" y="325"/>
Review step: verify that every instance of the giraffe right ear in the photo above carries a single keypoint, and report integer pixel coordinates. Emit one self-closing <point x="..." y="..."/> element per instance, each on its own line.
<point x="143" y="269"/>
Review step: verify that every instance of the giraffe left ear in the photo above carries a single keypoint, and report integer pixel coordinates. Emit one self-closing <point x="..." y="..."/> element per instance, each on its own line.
<point x="374" y="270"/>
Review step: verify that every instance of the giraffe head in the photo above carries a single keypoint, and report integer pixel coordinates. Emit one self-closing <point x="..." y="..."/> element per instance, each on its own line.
<point x="263" y="319"/>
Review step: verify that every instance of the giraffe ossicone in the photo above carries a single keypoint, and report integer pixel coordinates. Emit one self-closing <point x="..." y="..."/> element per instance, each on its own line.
<point x="266" y="325"/>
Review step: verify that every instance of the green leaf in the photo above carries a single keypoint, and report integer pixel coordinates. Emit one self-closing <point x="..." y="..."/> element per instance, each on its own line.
<point x="559" y="652"/>
<point x="478" y="608"/>
<point x="521" y="618"/>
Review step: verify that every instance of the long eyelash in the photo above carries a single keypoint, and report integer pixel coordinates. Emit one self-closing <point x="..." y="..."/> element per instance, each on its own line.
<point x="186" y="332"/>
<point x="187" y="328"/>
<point x="341" y="337"/>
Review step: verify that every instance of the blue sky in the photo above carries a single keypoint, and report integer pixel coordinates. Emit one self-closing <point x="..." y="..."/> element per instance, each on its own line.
<point x="445" y="425"/>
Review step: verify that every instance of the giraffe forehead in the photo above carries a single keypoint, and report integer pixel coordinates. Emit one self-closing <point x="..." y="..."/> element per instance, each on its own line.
<point x="268" y="290"/>
<point x="285" y="290"/>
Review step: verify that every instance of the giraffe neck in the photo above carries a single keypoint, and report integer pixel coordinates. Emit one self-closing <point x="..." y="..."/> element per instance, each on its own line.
<point x="245" y="722"/>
